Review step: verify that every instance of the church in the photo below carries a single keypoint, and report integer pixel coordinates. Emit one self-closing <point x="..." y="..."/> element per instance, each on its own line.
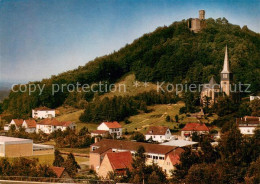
<point x="212" y="90"/>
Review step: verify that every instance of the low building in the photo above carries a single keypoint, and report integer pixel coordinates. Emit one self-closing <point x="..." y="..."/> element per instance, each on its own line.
<point x="101" y="133"/>
<point x="50" y="125"/>
<point x="15" y="147"/>
<point x="117" y="163"/>
<point x="61" y="172"/>
<point x="43" y="112"/>
<point x="41" y="149"/>
<point x="180" y="143"/>
<point x="248" y="124"/>
<point x="155" y="153"/>
<point x="190" y="128"/>
<point x="158" y="134"/>
<point x="114" y="128"/>
<point x="29" y="125"/>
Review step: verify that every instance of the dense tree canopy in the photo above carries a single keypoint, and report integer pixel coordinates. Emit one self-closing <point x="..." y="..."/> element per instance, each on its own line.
<point x="170" y="53"/>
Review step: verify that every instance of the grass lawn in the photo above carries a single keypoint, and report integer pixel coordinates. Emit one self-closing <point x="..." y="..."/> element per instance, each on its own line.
<point x="48" y="159"/>
<point x="125" y="87"/>
<point x="157" y="117"/>
<point x="75" y="150"/>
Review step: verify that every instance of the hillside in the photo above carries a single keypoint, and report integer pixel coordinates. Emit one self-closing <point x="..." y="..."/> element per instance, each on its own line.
<point x="172" y="54"/>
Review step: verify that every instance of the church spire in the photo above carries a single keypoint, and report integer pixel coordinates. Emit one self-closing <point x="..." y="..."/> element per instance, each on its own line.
<point x="226" y="63"/>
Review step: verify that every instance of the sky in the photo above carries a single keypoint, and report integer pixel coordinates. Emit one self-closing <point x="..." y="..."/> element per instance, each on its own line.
<point x="40" y="38"/>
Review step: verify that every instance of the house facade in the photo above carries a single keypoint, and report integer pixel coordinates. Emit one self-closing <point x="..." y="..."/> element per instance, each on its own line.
<point x="116" y="162"/>
<point x="248" y="124"/>
<point x="158" y="134"/>
<point x="61" y="173"/>
<point x="170" y="162"/>
<point x="190" y="128"/>
<point x="50" y="125"/>
<point x="43" y="112"/>
<point x="29" y="125"/>
<point x="155" y="153"/>
<point x="113" y="128"/>
<point x="15" y="122"/>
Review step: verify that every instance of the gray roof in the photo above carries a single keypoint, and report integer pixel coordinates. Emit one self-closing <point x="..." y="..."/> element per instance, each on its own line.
<point x="211" y="85"/>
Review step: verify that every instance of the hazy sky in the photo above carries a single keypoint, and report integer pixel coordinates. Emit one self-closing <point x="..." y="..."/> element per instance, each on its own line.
<point x="40" y="38"/>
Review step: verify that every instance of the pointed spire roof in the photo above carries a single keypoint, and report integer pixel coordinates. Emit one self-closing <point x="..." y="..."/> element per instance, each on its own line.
<point x="226" y="63"/>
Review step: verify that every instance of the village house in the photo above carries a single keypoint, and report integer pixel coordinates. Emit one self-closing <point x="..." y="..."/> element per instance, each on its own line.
<point x="15" y="122"/>
<point x="50" y="125"/>
<point x="155" y="153"/>
<point x="158" y="134"/>
<point x="190" y="128"/>
<point x="43" y="112"/>
<point x="113" y="128"/>
<point x="116" y="162"/>
<point x="248" y="124"/>
<point x="61" y="172"/>
<point x="29" y="125"/>
<point x="171" y="160"/>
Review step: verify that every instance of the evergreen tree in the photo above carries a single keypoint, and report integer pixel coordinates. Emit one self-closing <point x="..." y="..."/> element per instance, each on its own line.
<point x="71" y="165"/>
<point x="58" y="159"/>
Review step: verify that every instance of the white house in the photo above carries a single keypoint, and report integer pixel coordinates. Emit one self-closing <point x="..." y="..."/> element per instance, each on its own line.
<point x="158" y="133"/>
<point x="50" y="125"/>
<point x="254" y="98"/>
<point x="29" y="125"/>
<point x="43" y="112"/>
<point x="248" y="124"/>
<point x="16" y="122"/>
<point x="114" y="128"/>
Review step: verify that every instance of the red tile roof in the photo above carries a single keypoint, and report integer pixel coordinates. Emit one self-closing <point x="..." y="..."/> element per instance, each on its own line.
<point x="58" y="171"/>
<point x="43" y="109"/>
<point x="175" y="159"/>
<point x="18" y="122"/>
<point x="54" y="122"/>
<point x="195" y="127"/>
<point x="114" y="124"/>
<point x="120" y="160"/>
<point x="106" y="144"/>
<point x="157" y="130"/>
<point x="99" y="131"/>
<point x="30" y="123"/>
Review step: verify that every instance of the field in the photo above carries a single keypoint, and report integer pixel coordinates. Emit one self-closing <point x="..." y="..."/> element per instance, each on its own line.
<point x="157" y="116"/>
<point x="126" y="86"/>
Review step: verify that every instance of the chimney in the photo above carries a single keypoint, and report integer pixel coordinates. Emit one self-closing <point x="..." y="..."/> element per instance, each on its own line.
<point x="202" y="14"/>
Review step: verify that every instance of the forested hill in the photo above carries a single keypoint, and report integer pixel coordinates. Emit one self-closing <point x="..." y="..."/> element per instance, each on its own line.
<point x="170" y="53"/>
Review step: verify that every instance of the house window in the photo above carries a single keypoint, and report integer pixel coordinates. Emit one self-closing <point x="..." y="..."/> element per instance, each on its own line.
<point x="154" y="136"/>
<point x="160" y="136"/>
<point x="161" y="158"/>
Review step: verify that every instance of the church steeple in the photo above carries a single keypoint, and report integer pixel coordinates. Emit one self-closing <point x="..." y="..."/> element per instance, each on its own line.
<point x="226" y="63"/>
<point x="226" y="75"/>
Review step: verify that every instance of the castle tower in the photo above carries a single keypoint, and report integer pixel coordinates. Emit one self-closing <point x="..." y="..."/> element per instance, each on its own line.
<point x="202" y="14"/>
<point x="226" y="75"/>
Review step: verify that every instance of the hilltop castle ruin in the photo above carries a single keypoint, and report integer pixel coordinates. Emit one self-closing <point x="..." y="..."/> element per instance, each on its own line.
<point x="196" y="24"/>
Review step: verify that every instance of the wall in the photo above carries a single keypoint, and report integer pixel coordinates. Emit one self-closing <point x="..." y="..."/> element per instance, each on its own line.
<point x="105" y="167"/>
<point x="18" y="150"/>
